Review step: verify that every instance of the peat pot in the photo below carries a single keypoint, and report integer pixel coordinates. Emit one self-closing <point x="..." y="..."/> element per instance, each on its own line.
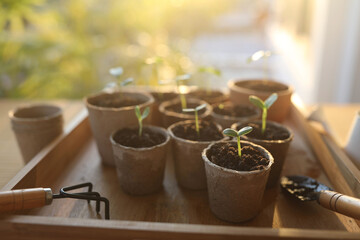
<point x="226" y="120"/>
<point x="35" y="126"/>
<point x="104" y="119"/>
<point x="141" y="170"/>
<point x="211" y="96"/>
<point x="188" y="163"/>
<point x="240" y="90"/>
<point x="277" y="148"/>
<point x="236" y="196"/>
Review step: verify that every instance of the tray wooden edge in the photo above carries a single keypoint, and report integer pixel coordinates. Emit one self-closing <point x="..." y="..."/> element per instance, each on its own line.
<point x="24" y="227"/>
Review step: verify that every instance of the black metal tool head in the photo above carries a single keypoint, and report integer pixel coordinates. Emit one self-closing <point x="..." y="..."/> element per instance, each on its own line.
<point x="302" y="187"/>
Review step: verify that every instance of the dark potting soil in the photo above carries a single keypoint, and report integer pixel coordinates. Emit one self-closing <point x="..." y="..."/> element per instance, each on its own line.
<point x="272" y="132"/>
<point x="262" y="86"/>
<point x="208" y="132"/>
<point x="161" y="97"/>
<point x="130" y="138"/>
<point x="235" y="111"/>
<point x="206" y="95"/>
<point x="118" y="102"/>
<point x="178" y="109"/>
<point x="226" y="155"/>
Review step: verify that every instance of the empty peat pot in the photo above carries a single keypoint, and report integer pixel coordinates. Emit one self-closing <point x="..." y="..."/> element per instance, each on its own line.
<point x="111" y="111"/>
<point x="235" y="196"/>
<point x="35" y="126"/>
<point x="226" y="114"/>
<point x="277" y="147"/>
<point x="210" y="96"/>
<point x="170" y="116"/>
<point x="141" y="169"/>
<point x="240" y="90"/>
<point x="189" y="166"/>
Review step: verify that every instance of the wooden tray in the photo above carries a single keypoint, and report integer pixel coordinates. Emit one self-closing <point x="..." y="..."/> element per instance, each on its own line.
<point x="176" y="213"/>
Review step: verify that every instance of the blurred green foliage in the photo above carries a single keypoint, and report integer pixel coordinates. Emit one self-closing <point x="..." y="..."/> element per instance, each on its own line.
<point x="51" y="49"/>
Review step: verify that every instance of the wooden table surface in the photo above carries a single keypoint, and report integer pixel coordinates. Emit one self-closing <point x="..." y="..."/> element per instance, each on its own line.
<point x="338" y="117"/>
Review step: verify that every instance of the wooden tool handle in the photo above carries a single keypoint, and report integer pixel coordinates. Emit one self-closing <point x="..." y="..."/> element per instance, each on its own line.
<point x="343" y="204"/>
<point x="24" y="199"/>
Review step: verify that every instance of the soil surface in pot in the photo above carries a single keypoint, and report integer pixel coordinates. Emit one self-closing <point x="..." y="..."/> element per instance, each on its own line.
<point x="271" y="132"/>
<point x="178" y="109"/>
<point x="130" y="138"/>
<point x="262" y="86"/>
<point x="226" y="155"/>
<point x="118" y="102"/>
<point x="208" y="132"/>
<point x="203" y="94"/>
<point x="235" y="111"/>
<point x="162" y="97"/>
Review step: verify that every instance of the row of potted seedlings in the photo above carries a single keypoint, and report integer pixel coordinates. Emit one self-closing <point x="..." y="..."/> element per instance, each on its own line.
<point x="234" y="172"/>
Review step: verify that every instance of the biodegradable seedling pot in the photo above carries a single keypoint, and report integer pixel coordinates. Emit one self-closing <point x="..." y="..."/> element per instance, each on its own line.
<point x="277" y="148"/>
<point x="169" y="117"/>
<point x="211" y="96"/>
<point x="240" y="90"/>
<point x="35" y="126"/>
<point x="235" y="196"/>
<point x="141" y="170"/>
<point x="189" y="166"/>
<point x="104" y="120"/>
<point x="227" y="120"/>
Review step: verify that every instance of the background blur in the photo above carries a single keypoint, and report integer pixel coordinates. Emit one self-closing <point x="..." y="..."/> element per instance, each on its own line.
<point x="64" y="49"/>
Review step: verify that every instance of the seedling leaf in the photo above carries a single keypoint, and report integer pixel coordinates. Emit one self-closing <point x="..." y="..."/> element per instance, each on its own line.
<point x="257" y="101"/>
<point x="230" y="132"/>
<point x="183" y="77"/>
<point x="270" y="100"/>
<point x="138" y="112"/>
<point x="211" y="70"/>
<point x="116" y="72"/>
<point x="145" y="113"/>
<point x="244" y="131"/>
<point x="202" y="106"/>
<point x="126" y="82"/>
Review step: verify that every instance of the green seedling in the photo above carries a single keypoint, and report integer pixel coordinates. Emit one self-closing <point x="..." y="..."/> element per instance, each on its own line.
<point x="196" y="110"/>
<point x="141" y="116"/>
<point x="117" y="72"/>
<point x="264" y="106"/>
<point x="211" y="71"/>
<point x="180" y="81"/>
<point x="262" y="55"/>
<point x="233" y="133"/>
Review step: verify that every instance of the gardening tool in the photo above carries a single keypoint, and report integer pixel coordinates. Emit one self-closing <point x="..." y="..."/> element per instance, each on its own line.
<point x="308" y="189"/>
<point x="37" y="197"/>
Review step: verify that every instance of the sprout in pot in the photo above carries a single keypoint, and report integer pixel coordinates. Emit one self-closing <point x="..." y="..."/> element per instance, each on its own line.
<point x="139" y="155"/>
<point x="264" y="106"/>
<point x="115" y="96"/>
<point x="196" y="110"/>
<point x="232" y="133"/>
<point x="236" y="173"/>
